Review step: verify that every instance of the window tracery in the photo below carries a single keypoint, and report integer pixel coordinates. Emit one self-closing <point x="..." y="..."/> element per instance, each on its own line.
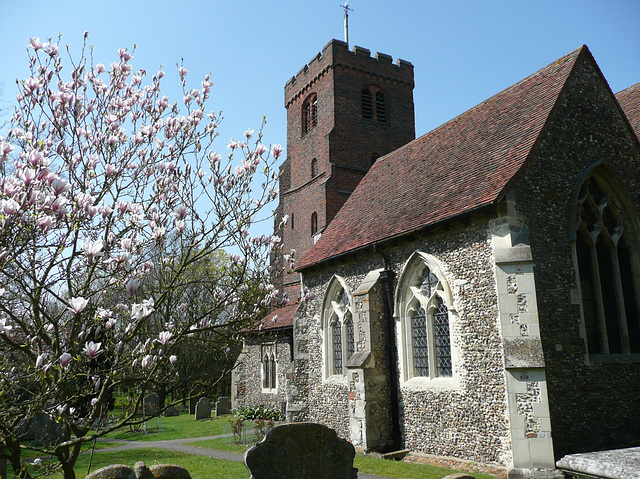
<point x="338" y="325"/>
<point x="424" y="309"/>
<point x="608" y="268"/>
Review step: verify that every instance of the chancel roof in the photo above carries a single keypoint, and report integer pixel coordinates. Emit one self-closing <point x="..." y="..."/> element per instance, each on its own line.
<point x="461" y="166"/>
<point x="629" y="100"/>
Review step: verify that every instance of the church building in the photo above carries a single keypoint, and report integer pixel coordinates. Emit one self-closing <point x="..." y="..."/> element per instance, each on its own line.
<point x="472" y="293"/>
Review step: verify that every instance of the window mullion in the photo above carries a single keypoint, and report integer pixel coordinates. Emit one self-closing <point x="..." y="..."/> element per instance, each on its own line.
<point x="597" y="286"/>
<point x="622" y="313"/>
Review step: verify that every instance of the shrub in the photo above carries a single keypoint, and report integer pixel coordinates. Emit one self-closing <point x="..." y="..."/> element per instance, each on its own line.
<point x="252" y="413"/>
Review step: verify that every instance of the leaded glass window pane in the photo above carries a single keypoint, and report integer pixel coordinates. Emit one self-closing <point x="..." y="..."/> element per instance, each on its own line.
<point x="442" y="340"/>
<point x="420" y="344"/>
<point x="337" y="348"/>
<point x="266" y="380"/>
<point x="351" y="340"/>
<point x="427" y="281"/>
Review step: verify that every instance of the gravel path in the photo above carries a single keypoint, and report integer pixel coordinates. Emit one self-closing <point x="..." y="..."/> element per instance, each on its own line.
<point x="179" y="445"/>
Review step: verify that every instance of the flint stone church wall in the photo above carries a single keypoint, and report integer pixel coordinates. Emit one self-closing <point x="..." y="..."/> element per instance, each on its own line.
<point x="593" y="401"/>
<point x="247" y="376"/>
<point x="469" y="420"/>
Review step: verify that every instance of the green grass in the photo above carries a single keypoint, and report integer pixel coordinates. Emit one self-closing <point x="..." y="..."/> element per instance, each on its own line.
<point x="222" y="444"/>
<point x="200" y="467"/>
<point x="183" y="426"/>
<point x="28" y="454"/>
<point x="404" y="470"/>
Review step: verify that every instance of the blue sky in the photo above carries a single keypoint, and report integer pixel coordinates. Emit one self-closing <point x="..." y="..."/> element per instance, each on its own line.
<point x="463" y="51"/>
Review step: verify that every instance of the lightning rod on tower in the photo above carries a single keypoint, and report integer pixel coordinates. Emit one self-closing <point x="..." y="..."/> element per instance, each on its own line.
<point x="347" y="9"/>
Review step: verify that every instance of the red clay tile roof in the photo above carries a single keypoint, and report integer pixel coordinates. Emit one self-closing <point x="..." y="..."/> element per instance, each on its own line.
<point x="460" y="166"/>
<point x="629" y="100"/>
<point x="279" y="318"/>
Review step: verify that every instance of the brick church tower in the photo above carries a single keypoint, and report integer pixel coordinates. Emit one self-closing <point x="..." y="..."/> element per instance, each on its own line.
<point x="344" y="110"/>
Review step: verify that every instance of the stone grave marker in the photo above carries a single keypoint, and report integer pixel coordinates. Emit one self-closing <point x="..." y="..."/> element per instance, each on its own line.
<point x="308" y="450"/>
<point x="193" y="400"/>
<point x="171" y="412"/>
<point x="203" y="409"/>
<point x="46" y="431"/>
<point x="223" y="406"/>
<point x="150" y="405"/>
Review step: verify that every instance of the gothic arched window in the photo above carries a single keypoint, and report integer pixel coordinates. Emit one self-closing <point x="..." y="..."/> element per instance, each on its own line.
<point x="269" y="367"/>
<point x="608" y="269"/>
<point x="309" y="113"/>
<point x="424" y="309"/>
<point x="339" y="330"/>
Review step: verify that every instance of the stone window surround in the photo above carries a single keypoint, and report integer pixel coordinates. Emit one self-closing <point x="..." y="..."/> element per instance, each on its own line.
<point x="610" y="183"/>
<point x="405" y="300"/>
<point x="333" y="312"/>
<point x="270" y="350"/>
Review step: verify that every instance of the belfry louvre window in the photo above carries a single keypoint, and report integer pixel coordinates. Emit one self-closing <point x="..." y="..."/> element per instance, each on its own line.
<point x="423" y="309"/>
<point x="381" y="109"/>
<point x="374" y="105"/>
<point x="367" y="109"/>
<point x="608" y="270"/>
<point x="309" y="113"/>
<point x="339" y="329"/>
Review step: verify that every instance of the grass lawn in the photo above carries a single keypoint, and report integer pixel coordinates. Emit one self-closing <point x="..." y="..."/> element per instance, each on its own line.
<point x="199" y="467"/>
<point x="366" y="464"/>
<point x="182" y="426"/>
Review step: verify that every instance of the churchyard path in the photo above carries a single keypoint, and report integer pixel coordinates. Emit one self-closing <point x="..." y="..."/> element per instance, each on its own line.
<point x="180" y="445"/>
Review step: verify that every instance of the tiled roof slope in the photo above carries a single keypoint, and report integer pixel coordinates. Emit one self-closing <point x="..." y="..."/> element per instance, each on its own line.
<point x="279" y="318"/>
<point x="458" y="167"/>
<point x="629" y="100"/>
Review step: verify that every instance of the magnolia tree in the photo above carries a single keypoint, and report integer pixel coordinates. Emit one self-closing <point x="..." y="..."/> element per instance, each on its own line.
<point x="110" y="196"/>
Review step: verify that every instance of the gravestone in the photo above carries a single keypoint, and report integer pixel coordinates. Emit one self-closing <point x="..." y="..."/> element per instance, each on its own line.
<point x="308" y="450"/>
<point x="171" y="412"/>
<point x="223" y="406"/>
<point x="193" y="400"/>
<point x="46" y="431"/>
<point x="203" y="409"/>
<point x="150" y="405"/>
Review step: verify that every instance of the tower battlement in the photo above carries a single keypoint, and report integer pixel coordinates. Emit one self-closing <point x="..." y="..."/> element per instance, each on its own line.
<point x="335" y="54"/>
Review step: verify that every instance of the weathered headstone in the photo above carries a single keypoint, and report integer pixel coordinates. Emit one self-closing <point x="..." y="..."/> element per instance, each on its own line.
<point x="171" y="412"/>
<point x="150" y="405"/>
<point x="141" y="471"/>
<point x="203" y="409"/>
<point x="223" y="406"/>
<point x="308" y="450"/>
<point x="46" y="431"/>
<point x="193" y="400"/>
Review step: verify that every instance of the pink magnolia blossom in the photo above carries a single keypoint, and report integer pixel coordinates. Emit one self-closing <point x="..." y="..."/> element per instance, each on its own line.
<point x="132" y="286"/>
<point x="147" y="361"/>
<point x="164" y="337"/>
<point x="92" y="349"/>
<point x="173" y="358"/>
<point x="65" y="359"/>
<point x="4" y="327"/>
<point x="77" y="304"/>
